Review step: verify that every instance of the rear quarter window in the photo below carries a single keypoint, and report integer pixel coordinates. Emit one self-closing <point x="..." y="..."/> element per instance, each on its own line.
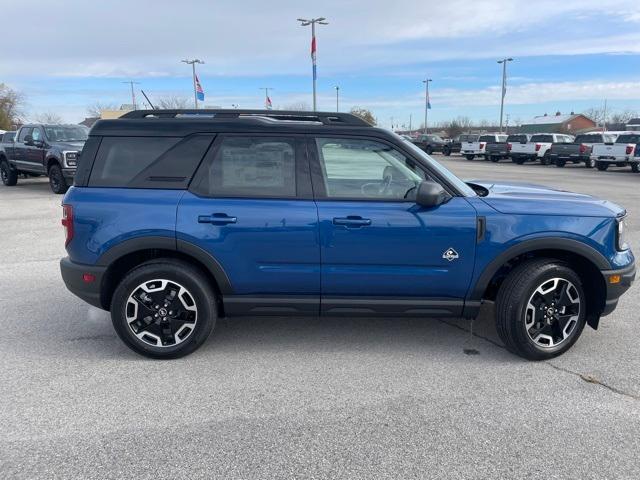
<point x="148" y="162"/>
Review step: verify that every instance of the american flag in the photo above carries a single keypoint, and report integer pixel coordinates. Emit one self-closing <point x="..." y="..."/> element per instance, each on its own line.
<point x="313" y="55"/>
<point x="267" y="103"/>
<point x="199" y="90"/>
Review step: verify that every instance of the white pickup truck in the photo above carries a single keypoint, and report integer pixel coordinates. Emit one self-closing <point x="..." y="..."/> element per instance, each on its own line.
<point x="476" y="147"/>
<point x="624" y="152"/>
<point x="537" y="148"/>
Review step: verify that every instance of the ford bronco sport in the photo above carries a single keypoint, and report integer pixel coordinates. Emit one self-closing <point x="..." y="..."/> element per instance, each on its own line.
<point x="178" y="218"/>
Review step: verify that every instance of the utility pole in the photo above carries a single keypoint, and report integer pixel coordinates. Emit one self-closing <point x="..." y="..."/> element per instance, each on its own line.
<point x="193" y="72"/>
<point x="337" y="98"/>
<point x="504" y="86"/>
<point x="133" y="93"/>
<point x="409" y="122"/>
<point x="304" y="22"/>
<point x="604" y="116"/>
<point x="426" y="102"/>
<point x="267" y="100"/>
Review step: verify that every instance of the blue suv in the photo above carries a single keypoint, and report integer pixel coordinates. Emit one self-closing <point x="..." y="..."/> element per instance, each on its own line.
<point x="178" y="218"/>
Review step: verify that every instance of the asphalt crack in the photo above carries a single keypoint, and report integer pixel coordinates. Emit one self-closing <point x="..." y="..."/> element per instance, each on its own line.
<point x="581" y="376"/>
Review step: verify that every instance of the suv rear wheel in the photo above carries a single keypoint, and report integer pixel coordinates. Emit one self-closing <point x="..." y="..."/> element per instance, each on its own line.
<point x="540" y="309"/>
<point x="164" y="308"/>
<point x="57" y="181"/>
<point x="9" y="176"/>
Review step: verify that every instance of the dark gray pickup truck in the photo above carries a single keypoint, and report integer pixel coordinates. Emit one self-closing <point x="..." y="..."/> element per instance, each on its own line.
<point x="579" y="151"/>
<point x="39" y="149"/>
<point x="500" y="150"/>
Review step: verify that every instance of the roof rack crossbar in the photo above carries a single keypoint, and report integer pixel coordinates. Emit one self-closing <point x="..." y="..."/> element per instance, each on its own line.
<point x="326" y="118"/>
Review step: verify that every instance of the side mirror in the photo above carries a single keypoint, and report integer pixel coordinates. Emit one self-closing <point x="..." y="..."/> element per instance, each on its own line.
<point x="28" y="140"/>
<point x="431" y="194"/>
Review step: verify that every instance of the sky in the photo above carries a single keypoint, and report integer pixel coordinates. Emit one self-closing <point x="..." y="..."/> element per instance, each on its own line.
<point x="568" y="56"/>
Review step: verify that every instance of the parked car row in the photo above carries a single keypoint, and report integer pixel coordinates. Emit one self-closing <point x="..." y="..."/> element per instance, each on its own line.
<point x="594" y="149"/>
<point x="42" y="149"/>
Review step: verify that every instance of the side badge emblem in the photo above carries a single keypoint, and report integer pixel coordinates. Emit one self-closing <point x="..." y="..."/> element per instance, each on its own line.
<point x="450" y="254"/>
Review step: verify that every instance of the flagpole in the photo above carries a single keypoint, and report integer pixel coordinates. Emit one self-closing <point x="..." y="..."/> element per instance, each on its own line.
<point x="426" y="102"/>
<point x="313" y="22"/>
<point x="266" y="97"/>
<point x="193" y="73"/>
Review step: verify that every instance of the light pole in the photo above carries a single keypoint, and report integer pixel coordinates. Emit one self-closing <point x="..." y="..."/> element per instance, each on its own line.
<point x="304" y="22"/>
<point x="267" y="101"/>
<point x="337" y="98"/>
<point x="504" y="86"/>
<point x="427" y="105"/>
<point x="193" y="71"/>
<point x="133" y="93"/>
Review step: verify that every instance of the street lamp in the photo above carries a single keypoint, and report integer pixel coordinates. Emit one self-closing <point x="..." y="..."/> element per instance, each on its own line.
<point x="427" y="104"/>
<point x="337" y="98"/>
<point x="304" y="23"/>
<point x="193" y="70"/>
<point x="504" y="86"/>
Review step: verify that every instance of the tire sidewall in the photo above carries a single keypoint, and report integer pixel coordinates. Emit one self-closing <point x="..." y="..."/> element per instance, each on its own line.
<point x="56" y="172"/>
<point x="197" y="285"/>
<point x="554" y="271"/>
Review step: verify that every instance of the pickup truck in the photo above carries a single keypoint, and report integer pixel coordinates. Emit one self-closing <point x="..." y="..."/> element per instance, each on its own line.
<point x="624" y="152"/>
<point x="42" y="149"/>
<point x="430" y="143"/>
<point x="537" y="148"/>
<point x="453" y="146"/>
<point x="472" y="149"/>
<point x="579" y="151"/>
<point x="497" y="151"/>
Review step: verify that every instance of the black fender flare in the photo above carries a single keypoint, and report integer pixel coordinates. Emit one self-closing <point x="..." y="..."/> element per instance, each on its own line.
<point x="140" y="244"/>
<point x="565" y="244"/>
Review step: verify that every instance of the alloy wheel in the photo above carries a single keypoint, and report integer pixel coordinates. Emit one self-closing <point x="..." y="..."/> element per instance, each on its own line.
<point x="161" y="313"/>
<point x="552" y="312"/>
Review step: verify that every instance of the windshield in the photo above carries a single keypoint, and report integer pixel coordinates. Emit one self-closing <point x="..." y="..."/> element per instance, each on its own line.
<point x="66" y="133"/>
<point x="440" y="169"/>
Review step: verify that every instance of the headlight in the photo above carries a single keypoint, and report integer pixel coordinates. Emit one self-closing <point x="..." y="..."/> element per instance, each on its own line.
<point x="621" y="243"/>
<point x="71" y="158"/>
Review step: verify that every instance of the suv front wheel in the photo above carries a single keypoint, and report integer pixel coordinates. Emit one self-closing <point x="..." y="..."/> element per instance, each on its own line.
<point x="164" y="308"/>
<point x="540" y="309"/>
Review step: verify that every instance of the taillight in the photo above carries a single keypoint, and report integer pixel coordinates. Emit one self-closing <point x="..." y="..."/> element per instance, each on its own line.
<point x="583" y="148"/>
<point x="509" y="147"/>
<point x="67" y="223"/>
<point x="482" y="145"/>
<point x="538" y="146"/>
<point x="630" y="149"/>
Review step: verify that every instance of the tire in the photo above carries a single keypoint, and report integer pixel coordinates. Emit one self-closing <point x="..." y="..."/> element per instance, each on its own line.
<point x="540" y="333"/>
<point x="635" y="167"/>
<point x="197" y="303"/>
<point x="446" y="152"/>
<point x="602" y="166"/>
<point x="518" y="161"/>
<point x="560" y="163"/>
<point x="494" y="159"/>
<point x="545" y="159"/>
<point x="589" y="163"/>
<point x="57" y="182"/>
<point x="469" y="157"/>
<point x="8" y="175"/>
<point x="428" y="150"/>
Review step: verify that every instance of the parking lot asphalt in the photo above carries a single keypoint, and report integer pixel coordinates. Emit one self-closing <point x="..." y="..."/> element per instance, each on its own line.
<point x="307" y="398"/>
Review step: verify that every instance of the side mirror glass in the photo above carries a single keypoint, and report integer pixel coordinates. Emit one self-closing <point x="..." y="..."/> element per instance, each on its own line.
<point x="431" y="194"/>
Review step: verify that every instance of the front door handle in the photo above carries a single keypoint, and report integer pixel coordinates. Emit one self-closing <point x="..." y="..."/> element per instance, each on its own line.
<point x="352" y="221"/>
<point x="217" y="219"/>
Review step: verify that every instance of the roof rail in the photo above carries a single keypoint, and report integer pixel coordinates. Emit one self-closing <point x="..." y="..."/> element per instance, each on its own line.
<point x="326" y="118"/>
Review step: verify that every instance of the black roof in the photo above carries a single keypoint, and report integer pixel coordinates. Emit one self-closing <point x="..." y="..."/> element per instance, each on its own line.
<point x="185" y="122"/>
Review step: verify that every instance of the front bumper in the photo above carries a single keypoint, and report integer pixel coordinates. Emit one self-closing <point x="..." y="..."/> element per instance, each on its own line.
<point x="68" y="174"/>
<point x="75" y="278"/>
<point x="615" y="290"/>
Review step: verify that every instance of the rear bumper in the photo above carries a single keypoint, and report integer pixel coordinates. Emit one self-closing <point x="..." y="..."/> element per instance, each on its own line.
<point x="73" y="275"/>
<point x="616" y="290"/>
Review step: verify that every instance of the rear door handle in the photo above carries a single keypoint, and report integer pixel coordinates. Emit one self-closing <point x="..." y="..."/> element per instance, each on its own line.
<point x="217" y="219"/>
<point x="352" y="221"/>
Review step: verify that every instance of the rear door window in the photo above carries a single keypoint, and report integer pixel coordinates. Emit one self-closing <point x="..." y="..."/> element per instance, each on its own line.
<point x="148" y="162"/>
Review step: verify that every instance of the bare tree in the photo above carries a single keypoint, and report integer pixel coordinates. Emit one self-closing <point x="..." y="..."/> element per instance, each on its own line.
<point x="95" y="110"/>
<point x="298" y="106"/>
<point x="623" y="116"/>
<point x="364" y="114"/>
<point x="173" y="103"/>
<point x="596" y="114"/>
<point x="11" y="103"/>
<point x="48" y="117"/>
<point x="457" y="126"/>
